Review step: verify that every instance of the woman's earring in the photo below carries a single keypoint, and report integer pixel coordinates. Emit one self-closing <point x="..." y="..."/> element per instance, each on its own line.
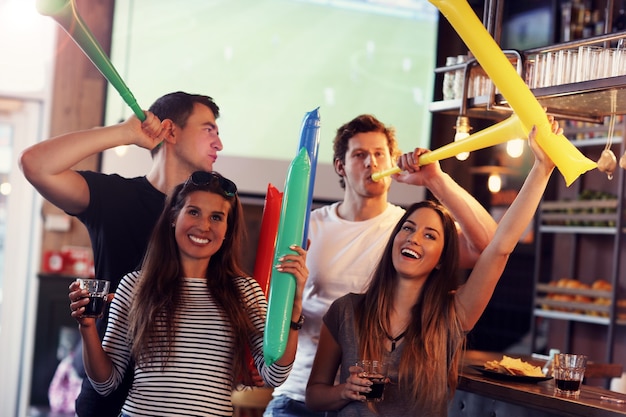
<point x="173" y="224"/>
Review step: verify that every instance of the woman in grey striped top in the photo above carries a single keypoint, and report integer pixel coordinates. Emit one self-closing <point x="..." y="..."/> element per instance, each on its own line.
<point x="187" y="320"/>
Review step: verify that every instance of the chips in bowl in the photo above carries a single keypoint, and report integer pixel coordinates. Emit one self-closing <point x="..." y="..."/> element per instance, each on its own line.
<point x="514" y="366"/>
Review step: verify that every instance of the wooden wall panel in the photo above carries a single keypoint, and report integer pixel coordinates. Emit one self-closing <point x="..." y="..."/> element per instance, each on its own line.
<point x="78" y="101"/>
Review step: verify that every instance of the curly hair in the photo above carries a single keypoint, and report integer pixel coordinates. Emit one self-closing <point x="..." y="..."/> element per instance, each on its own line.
<point x="364" y="123"/>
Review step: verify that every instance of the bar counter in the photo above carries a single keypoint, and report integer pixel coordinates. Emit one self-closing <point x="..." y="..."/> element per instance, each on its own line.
<point x="480" y="395"/>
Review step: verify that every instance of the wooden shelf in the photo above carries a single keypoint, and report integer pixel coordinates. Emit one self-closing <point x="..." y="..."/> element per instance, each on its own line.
<point x="578" y="304"/>
<point x="580" y="216"/>
<point x="586" y="292"/>
<point x="590" y="142"/>
<point x="587" y="101"/>
<point x="588" y="230"/>
<point x="562" y="315"/>
<point x="586" y="219"/>
<point x="584" y="100"/>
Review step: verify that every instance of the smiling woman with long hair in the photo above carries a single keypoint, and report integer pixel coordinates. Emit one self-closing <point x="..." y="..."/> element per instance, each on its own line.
<point x="187" y="319"/>
<point x="414" y="314"/>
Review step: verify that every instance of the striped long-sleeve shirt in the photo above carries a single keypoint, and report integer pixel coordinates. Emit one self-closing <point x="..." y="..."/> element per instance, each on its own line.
<point x="198" y="378"/>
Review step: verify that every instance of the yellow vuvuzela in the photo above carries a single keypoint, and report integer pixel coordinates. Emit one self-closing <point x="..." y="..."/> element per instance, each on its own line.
<point x="567" y="158"/>
<point x="493" y="135"/>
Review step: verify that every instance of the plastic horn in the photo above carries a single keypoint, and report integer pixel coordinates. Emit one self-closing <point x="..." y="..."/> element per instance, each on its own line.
<point x="290" y="231"/>
<point x="310" y="139"/>
<point x="267" y="237"/>
<point x="265" y="248"/>
<point x="511" y="128"/>
<point x="567" y="158"/>
<point x="66" y="14"/>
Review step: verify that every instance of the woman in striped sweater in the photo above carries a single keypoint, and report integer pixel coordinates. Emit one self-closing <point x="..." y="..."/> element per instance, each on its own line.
<point x="186" y="320"/>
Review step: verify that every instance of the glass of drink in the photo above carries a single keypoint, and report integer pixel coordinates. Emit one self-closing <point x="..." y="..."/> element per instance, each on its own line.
<point x="375" y="371"/>
<point x="569" y="371"/>
<point x="98" y="291"/>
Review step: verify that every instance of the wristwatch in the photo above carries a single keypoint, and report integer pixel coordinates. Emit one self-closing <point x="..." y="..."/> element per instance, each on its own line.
<point x="297" y="325"/>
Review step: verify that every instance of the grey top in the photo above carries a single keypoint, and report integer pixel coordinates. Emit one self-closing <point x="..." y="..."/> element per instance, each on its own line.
<point x="340" y="321"/>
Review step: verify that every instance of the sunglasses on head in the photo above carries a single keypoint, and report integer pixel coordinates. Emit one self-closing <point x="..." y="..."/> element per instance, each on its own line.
<point x="201" y="178"/>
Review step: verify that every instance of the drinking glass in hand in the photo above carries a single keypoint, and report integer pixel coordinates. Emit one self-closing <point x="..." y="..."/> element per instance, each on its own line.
<point x="375" y="371"/>
<point x="569" y="371"/>
<point x="98" y="291"/>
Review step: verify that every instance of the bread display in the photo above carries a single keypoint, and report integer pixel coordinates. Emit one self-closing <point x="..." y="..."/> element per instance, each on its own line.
<point x="572" y="296"/>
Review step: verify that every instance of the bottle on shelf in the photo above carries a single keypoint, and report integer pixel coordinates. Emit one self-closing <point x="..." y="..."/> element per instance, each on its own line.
<point x="598" y="22"/>
<point x="566" y="22"/>
<point x="580" y="20"/>
<point x="619" y="23"/>
<point x="459" y="77"/>
<point x="588" y="26"/>
<point x="448" y="80"/>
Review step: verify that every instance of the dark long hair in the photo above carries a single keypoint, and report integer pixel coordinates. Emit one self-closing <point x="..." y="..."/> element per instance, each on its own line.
<point x="428" y="365"/>
<point x="152" y="319"/>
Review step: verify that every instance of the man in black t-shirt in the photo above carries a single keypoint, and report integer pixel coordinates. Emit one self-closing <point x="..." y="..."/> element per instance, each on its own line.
<point x="181" y="132"/>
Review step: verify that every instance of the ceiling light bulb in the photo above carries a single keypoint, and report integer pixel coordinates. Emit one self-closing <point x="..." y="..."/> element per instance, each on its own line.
<point x="515" y="147"/>
<point x="462" y="132"/>
<point x="5" y="188"/>
<point x="462" y="156"/>
<point x="457" y="137"/>
<point x="494" y="183"/>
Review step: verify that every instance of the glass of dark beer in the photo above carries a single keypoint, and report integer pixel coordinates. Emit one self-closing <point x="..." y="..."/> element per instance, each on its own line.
<point x="375" y="371"/>
<point x="569" y="371"/>
<point x="98" y="291"/>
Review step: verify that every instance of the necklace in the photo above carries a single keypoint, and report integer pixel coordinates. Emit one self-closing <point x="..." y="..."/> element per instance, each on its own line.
<point x="394" y="340"/>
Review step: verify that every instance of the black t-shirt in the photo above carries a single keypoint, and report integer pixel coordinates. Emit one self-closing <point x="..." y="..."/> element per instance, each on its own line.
<point x="120" y="217"/>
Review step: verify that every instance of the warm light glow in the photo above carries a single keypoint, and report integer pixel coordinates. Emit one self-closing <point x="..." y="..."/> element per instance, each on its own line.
<point x="462" y="132"/>
<point x="515" y="147"/>
<point x="28" y="40"/>
<point x="494" y="183"/>
<point x="121" y="150"/>
<point x="460" y="136"/>
<point x="462" y="156"/>
<point x="5" y="188"/>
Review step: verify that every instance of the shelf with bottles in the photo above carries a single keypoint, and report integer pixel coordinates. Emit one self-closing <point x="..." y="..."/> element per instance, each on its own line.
<point x="586" y="134"/>
<point x="580" y="317"/>
<point x="588" y="94"/>
<point x="571" y="299"/>
<point x="468" y="89"/>
<point x="591" y="213"/>
<point x="583" y="19"/>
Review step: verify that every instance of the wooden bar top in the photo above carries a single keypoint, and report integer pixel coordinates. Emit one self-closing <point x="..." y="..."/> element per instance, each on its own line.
<point x="539" y="395"/>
